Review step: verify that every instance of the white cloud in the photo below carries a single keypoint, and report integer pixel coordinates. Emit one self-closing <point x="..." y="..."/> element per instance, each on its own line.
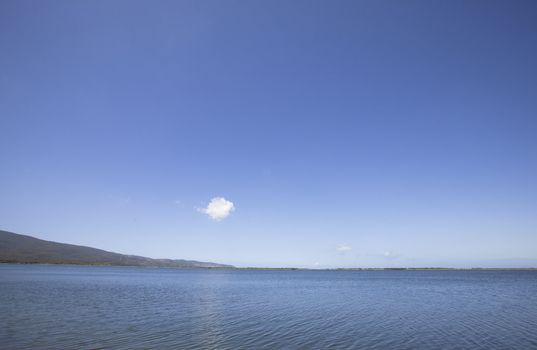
<point x="219" y="208"/>
<point x="390" y="254"/>
<point x="344" y="248"/>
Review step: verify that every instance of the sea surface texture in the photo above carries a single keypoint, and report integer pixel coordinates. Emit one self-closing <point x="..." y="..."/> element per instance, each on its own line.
<point x="70" y="307"/>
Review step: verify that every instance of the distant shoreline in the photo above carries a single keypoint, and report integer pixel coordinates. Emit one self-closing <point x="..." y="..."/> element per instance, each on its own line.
<point x="289" y="268"/>
<point x="28" y="250"/>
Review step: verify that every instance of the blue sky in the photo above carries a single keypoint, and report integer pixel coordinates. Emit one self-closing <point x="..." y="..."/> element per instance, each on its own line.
<point x="345" y="133"/>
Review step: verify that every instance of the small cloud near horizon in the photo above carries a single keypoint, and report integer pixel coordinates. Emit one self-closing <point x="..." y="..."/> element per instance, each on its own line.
<point x="218" y="208"/>
<point x="391" y="255"/>
<point x="344" y="248"/>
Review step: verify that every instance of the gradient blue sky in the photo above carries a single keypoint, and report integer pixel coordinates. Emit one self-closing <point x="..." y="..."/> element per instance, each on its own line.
<point x="346" y="133"/>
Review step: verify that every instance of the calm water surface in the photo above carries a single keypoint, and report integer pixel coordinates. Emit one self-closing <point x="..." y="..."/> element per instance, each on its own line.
<point x="65" y="307"/>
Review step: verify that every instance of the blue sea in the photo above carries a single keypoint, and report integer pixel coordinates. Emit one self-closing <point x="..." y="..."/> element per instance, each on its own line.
<point x="82" y="307"/>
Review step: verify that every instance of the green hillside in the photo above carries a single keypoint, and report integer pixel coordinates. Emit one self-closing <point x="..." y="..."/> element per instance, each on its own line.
<point x="16" y="248"/>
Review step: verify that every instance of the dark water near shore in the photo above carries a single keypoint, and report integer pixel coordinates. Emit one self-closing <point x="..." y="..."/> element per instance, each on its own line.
<point x="55" y="307"/>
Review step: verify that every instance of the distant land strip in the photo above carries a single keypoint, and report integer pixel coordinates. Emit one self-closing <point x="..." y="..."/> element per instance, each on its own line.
<point x="21" y="249"/>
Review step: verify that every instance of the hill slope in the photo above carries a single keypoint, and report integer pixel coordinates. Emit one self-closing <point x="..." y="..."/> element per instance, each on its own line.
<point x="15" y="248"/>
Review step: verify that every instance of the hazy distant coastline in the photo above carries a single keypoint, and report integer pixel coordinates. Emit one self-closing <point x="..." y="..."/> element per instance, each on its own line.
<point x="21" y="249"/>
<point x="231" y="267"/>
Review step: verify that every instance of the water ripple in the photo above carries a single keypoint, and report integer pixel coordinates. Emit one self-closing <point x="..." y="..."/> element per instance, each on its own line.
<point x="51" y="307"/>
